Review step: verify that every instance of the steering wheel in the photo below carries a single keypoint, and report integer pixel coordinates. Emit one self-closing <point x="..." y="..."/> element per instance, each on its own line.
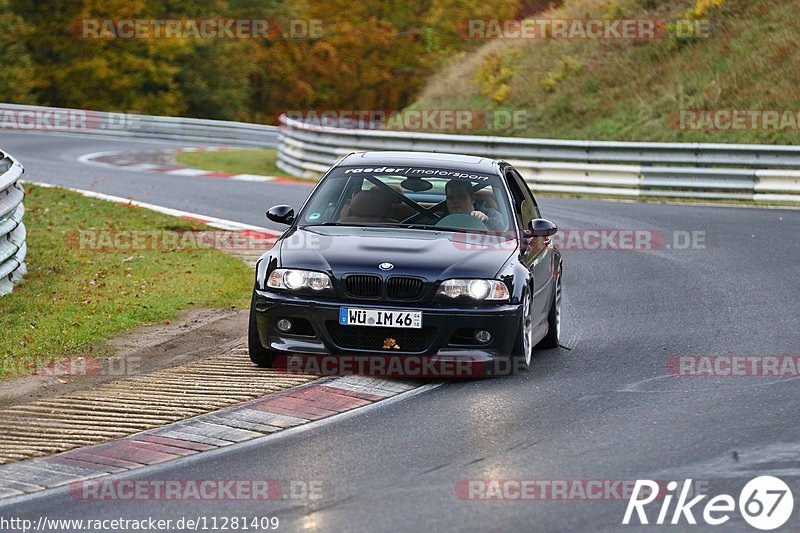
<point x="461" y="221"/>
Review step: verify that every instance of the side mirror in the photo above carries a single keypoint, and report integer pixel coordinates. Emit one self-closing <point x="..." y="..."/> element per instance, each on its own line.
<point x="542" y="228"/>
<point x="282" y="214"/>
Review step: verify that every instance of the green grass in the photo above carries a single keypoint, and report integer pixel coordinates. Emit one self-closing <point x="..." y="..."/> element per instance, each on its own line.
<point x="634" y="91"/>
<point x="74" y="299"/>
<point x="259" y="161"/>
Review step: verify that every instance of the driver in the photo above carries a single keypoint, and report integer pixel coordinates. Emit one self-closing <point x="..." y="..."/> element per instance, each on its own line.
<point x="461" y="199"/>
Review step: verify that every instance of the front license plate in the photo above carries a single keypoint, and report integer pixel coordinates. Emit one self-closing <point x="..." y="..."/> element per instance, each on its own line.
<point x="379" y="318"/>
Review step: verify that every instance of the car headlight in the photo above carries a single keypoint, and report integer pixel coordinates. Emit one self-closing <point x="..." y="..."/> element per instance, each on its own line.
<point x="477" y="289"/>
<point x="295" y="280"/>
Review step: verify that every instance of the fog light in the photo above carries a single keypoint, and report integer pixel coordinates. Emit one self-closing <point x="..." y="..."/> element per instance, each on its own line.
<point x="483" y="336"/>
<point x="284" y="325"/>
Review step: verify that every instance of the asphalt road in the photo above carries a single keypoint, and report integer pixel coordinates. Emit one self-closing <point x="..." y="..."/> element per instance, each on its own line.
<point x="605" y="410"/>
<point x="52" y="158"/>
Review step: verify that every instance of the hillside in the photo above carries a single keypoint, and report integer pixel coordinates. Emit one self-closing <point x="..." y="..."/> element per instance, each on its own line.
<point x="635" y="90"/>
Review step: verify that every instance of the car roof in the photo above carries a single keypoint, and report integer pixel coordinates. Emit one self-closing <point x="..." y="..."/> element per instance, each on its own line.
<point x="423" y="159"/>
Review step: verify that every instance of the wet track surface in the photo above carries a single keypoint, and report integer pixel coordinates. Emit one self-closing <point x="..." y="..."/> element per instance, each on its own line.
<point x="606" y="409"/>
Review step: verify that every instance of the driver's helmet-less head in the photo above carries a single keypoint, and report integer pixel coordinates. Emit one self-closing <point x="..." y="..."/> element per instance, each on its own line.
<point x="460" y="197"/>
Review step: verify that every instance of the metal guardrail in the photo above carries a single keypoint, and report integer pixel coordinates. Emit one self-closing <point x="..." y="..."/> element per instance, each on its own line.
<point x="79" y="121"/>
<point x="674" y="170"/>
<point x="13" y="247"/>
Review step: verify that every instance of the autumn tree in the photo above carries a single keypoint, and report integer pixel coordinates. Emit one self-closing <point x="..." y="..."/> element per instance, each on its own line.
<point x="16" y="76"/>
<point x="374" y="54"/>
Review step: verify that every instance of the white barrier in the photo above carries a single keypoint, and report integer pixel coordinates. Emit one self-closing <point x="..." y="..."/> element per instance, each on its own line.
<point x="15" y="117"/>
<point x="13" y="247"/>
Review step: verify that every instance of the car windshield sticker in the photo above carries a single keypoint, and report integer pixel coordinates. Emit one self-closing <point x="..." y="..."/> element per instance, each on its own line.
<point x="313" y="216"/>
<point x="418" y="172"/>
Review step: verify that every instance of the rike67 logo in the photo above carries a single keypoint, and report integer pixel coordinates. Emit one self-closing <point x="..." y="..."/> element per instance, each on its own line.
<point x="766" y="503"/>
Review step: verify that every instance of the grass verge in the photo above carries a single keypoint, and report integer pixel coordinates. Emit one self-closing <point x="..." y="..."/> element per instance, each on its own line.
<point x="259" y="161"/>
<point x="629" y="90"/>
<point x="76" y="297"/>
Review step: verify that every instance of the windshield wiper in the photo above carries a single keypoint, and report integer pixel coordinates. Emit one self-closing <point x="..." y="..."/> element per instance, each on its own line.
<point x="353" y="225"/>
<point x="390" y="225"/>
<point x="323" y="224"/>
<point x="415" y="226"/>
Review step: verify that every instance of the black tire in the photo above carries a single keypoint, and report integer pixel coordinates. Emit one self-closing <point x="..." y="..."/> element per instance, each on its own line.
<point x="521" y="359"/>
<point x="259" y="355"/>
<point x="551" y="340"/>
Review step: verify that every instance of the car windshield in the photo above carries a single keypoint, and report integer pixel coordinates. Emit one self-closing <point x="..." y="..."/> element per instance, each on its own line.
<point x="425" y="198"/>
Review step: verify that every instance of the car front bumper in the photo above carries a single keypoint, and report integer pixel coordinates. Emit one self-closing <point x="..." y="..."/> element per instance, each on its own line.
<point x="437" y="340"/>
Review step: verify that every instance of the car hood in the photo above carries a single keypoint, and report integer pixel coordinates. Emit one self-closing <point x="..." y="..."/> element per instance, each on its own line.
<point x="431" y="254"/>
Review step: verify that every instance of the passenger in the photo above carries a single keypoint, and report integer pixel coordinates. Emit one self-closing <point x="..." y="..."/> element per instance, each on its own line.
<point x="461" y="199"/>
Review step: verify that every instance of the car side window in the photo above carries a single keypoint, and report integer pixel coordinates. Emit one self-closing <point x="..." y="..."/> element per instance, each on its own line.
<point x="526" y="191"/>
<point x="517" y="198"/>
<point x="524" y="205"/>
<point x="329" y="207"/>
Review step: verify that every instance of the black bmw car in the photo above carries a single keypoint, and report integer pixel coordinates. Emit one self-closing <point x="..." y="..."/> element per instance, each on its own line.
<point x="410" y="254"/>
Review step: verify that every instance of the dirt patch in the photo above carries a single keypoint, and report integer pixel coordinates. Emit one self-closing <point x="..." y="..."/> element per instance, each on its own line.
<point x="195" y="335"/>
